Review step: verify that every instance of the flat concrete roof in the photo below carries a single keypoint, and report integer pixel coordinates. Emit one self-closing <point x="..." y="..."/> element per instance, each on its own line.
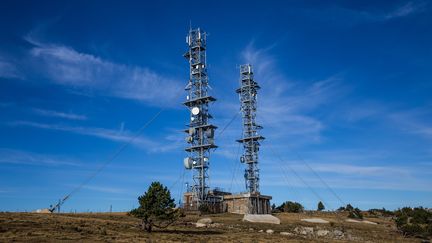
<point x="240" y="195"/>
<point x="247" y="195"/>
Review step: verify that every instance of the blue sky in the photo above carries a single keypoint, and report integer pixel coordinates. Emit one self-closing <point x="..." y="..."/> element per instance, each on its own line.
<point x="346" y="90"/>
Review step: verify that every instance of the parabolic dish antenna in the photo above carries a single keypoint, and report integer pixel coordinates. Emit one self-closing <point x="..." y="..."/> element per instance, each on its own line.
<point x="188" y="163"/>
<point x="195" y="111"/>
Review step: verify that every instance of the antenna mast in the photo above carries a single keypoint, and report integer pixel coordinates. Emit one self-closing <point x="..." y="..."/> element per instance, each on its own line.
<point x="200" y="132"/>
<point x="250" y="140"/>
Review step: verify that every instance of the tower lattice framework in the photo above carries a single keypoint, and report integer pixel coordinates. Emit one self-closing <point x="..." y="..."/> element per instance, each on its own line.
<point x="250" y="137"/>
<point x="200" y="131"/>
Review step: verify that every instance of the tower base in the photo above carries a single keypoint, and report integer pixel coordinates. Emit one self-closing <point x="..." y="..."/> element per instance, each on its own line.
<point x="219" y="201"/>
<point x="214" y="201"/>
<point x="247" y="203"/>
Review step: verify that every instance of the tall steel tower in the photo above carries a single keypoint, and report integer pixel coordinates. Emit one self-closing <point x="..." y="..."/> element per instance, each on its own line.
<point x="248" y="99"/>
<point x="200" y="132"/>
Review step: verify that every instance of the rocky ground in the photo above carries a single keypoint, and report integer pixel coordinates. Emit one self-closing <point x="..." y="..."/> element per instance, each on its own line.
<point x="33" y="227"/>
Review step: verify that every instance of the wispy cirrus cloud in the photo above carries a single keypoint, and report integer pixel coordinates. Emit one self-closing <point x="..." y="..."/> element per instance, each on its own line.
<point x="109" y="134"/>
<point x="285" y="105"/>
<point x="354" y="170"/>
<point x="11" y="156"/>
<point x="406" y="9"/>
<point x="399" y="11"/>
<point x="350" y="182"/>
<point x="416" y="121"/>
<point x="173" y="142"/>
<point x="369" y="178"/>
<point x="344" y="14"/>
<point x="361" y="110"/>
<point x="106" y="189"/>
<point x="84" y="73"/>
<point x="9" y="70"/>
<point x="51" y="113"/>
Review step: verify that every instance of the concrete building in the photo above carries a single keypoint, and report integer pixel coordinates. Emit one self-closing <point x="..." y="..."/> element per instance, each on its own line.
<point x="247" y="203"/>
<point x="225" y="202"/>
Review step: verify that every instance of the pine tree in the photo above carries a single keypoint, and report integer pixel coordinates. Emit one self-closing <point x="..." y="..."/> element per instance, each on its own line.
<point x="157" y="208"/>
<point x="320" y="206"/>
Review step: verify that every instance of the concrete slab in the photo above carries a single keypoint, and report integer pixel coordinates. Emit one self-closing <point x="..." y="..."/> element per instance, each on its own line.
<point x="200" y="225"/>
<point x="261" y="218"/>
<point x="205" y="221"/>
<point x="316" y="220"/>
<point x="44" y="210"/>
<point x="359" y="221"/>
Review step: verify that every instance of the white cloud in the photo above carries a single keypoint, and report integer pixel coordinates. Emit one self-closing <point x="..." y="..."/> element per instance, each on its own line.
<point x="416" y="121"/>
<point x="173" y="142"/>
<point x="356" y="170"/>
<point x="283" y="177"/>
<point x="411" y="184"/>
<point x="85" y="72"/>
<point x="342" y="15"/>
<point x="362" y="110"/>
<point x="105" y="189"/>
<point x="284" y="105"/>
<point x="8" y="70"/>
<point x="406" y="9"/>
<point x="51" y="113"/>
<point x="109" y="134"/>
<point x="10" y="156"/>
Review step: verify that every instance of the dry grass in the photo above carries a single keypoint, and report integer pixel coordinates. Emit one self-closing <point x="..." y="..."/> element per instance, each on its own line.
<point x="25" y="227"/>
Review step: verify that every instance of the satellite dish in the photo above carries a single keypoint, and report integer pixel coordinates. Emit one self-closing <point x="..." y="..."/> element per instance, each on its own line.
<point x="195" y="111"/>
<point x="191" y="131"/>
<point x="189" y="139"/>
<point x="187" y="163"/>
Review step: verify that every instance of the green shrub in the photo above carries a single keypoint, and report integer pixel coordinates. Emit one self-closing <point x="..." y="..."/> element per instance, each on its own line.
<point x="412" y="229"/>
<point x="355" y="214"/>
<point x="291" y="207"/>
<point x="414" y="221"/>
<point x="401" y="220"/>
<point x="429" y="229"/>
<point x="380" y="212"/>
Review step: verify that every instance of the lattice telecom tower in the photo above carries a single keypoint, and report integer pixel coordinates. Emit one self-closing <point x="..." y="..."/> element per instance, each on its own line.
<point x="200" y="132"/>
<point x="248" y="99"/>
